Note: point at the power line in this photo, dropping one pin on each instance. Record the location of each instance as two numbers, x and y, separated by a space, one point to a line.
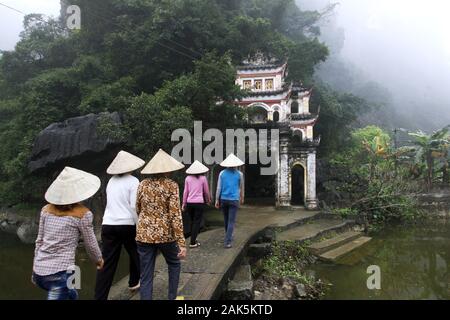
101 8
158 42
14 9
36 17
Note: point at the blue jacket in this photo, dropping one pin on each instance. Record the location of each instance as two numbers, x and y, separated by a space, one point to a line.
230 184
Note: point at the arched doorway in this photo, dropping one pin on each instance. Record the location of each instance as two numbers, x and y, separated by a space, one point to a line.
259 189
294 107
276 116
298 185
257 114
297 138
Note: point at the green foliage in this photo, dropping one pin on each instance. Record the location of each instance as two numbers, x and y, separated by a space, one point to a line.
160 64
431 153
345 212
366 179
303 58
151 123
287 261
338 113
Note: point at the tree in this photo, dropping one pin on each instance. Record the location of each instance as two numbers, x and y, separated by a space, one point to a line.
165 61
429 149
361 179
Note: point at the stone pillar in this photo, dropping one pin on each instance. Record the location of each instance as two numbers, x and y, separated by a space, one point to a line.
311 196
211 186
242 169
283 194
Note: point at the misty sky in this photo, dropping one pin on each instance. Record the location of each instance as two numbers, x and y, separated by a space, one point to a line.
403 44
11 22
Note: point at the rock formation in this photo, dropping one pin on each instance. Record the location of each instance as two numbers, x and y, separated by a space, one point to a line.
74 141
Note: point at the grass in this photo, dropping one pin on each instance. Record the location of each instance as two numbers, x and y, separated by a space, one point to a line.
286 261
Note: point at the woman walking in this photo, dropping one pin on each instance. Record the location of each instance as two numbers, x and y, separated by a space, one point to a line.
119 223
195 196
230 194
160 225
61 223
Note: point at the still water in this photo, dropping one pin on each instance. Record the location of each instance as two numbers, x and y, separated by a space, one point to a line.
414 262
16 260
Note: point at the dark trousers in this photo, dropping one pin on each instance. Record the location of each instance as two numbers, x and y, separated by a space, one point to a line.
113 238
147 254
195 211
229 209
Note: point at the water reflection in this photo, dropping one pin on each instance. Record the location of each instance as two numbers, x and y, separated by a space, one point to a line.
414 262
16 261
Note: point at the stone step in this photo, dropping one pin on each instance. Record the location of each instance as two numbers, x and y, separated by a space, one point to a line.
241 286
329 244
313 229
334 254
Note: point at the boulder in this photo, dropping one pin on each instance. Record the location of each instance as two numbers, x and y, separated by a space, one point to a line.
74 140
300 291
268 235
241 287
27 232
8 227
259 250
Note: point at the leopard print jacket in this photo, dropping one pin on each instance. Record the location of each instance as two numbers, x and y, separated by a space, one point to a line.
158 208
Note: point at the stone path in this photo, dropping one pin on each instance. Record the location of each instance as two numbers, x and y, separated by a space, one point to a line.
205 272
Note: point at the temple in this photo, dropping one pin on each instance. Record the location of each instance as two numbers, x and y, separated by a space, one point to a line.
274 102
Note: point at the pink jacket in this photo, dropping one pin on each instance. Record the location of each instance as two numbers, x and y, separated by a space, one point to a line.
195 190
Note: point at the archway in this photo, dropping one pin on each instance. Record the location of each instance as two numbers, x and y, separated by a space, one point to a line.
276 116
257 114
298 185
294 107
259 189
297 137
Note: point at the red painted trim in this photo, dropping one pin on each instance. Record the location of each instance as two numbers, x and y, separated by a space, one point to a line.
258 75
260 101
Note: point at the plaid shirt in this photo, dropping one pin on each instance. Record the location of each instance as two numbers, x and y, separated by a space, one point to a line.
58 237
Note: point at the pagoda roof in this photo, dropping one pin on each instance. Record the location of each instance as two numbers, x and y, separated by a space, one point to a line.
260 62
302 120
303 117
287 88
260 67
284 88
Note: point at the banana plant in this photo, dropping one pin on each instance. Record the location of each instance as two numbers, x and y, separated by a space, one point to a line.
431 149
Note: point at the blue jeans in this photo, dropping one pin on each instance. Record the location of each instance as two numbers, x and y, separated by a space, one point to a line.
229 209
56 286
147 254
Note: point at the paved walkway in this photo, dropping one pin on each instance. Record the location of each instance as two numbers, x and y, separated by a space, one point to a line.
207 269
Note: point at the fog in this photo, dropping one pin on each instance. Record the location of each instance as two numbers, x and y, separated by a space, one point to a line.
11 22
403 45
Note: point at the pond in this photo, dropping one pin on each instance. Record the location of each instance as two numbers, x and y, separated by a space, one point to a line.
16 260
414 261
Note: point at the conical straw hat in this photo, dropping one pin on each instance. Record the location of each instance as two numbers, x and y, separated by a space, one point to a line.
161 163
197 168
72 186
124 162
232 161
